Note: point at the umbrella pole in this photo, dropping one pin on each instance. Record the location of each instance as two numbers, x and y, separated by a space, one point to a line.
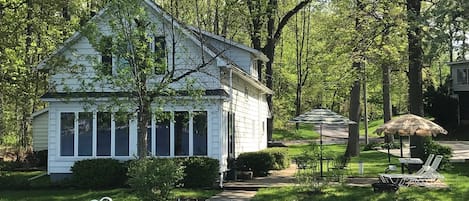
320 146
389 154
402 155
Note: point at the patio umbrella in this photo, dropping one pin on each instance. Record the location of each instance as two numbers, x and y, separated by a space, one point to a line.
408 125
321 117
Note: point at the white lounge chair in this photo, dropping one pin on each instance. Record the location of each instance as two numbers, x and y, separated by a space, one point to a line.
425 174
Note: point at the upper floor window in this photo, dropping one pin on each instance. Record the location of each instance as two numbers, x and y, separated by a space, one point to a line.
106 55
159 49
462 76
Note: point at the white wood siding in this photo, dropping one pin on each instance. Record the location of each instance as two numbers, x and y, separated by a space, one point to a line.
251 112
40 124
240 57
188 55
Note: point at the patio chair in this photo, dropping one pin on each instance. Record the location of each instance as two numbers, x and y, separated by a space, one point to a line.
339 167
425 174
426 164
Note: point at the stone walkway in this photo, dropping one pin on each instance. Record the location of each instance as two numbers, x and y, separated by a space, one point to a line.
245 190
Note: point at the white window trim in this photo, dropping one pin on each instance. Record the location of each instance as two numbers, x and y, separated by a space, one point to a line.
94 137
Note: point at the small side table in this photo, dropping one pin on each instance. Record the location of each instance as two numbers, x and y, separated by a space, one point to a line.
407 161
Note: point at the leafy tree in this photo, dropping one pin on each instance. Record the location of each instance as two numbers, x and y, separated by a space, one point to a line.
138 64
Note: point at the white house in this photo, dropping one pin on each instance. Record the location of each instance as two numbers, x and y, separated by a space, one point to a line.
460 87
230 118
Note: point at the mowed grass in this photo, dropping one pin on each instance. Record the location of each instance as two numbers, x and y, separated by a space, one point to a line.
305 132
85 195
42 190
456 177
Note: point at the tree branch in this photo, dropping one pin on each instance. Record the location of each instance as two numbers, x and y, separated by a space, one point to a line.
283 22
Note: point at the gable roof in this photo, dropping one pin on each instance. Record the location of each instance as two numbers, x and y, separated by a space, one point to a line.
257 53
221 60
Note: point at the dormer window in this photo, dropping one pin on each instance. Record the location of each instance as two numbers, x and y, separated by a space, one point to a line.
159 49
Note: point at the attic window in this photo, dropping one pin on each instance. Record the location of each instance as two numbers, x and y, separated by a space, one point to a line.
159 49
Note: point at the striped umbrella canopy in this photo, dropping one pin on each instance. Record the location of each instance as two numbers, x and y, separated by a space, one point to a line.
322 116
409 124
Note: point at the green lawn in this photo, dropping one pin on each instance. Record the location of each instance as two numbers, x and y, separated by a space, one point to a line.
42 190
86 195
457 178
372 126
305 132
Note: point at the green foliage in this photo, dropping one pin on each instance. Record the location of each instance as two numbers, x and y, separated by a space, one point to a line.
9 165
281 158
432 147
155 178
98 173
200 172
258 162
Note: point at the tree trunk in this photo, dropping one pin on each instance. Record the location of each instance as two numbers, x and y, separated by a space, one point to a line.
144 117
414 36
2 125
387 107
353 145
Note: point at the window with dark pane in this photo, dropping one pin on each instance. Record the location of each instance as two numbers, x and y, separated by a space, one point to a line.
67 132
181 133
121 134
163 135
104 134
85 133
106 55
160 55
200 133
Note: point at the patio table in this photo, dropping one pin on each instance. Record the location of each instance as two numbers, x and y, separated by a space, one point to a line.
407 161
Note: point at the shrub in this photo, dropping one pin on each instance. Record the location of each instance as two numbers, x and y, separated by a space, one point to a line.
432 147
9 165
281 158
11 182
373 144
154 179
98 173
36 159
259 162
200 172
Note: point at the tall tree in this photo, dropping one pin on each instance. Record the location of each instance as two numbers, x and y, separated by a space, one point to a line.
414 37
260 9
